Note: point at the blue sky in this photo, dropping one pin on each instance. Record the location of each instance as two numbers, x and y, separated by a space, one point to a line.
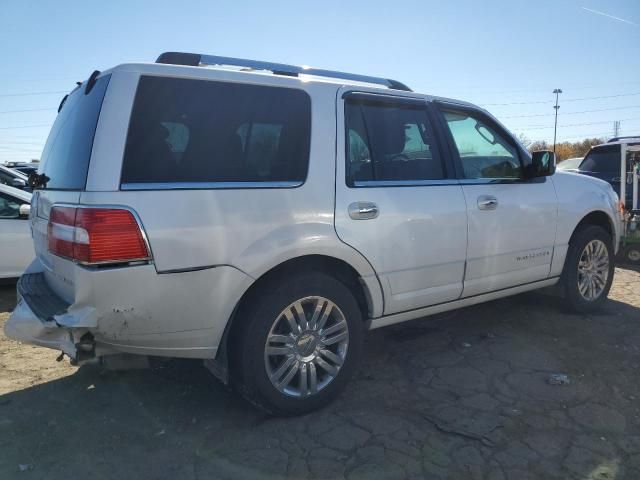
488 52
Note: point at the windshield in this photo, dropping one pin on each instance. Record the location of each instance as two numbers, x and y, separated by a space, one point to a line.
65 158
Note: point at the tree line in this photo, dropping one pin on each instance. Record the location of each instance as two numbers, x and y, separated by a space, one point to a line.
564 150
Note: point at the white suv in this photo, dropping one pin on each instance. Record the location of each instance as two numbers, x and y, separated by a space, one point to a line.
262 217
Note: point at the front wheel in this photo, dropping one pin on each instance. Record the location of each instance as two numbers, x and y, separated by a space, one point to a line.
299 343
588 270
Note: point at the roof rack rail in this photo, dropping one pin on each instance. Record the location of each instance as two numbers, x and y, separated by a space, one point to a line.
195 60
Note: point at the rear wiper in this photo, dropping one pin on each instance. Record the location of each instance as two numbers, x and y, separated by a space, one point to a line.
37 180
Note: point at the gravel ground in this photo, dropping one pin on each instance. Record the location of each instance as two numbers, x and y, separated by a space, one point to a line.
464 395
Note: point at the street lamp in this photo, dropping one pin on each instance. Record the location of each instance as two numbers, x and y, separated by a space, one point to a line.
557 91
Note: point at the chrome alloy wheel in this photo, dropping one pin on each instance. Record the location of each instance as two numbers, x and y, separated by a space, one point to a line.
306 346
593 270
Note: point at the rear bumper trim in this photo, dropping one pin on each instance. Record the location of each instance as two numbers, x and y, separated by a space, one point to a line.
33 320
40 298
25 326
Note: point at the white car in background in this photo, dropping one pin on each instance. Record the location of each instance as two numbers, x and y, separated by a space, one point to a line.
570 164
13 178
16 246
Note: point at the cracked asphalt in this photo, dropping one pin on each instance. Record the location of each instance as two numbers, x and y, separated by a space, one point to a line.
464 395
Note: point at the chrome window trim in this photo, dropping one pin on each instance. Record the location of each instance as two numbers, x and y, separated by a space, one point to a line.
403 183
208 185
493 181
487 180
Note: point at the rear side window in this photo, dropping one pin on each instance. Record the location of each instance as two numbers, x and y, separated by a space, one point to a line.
602 160
196 131
389 142
66 155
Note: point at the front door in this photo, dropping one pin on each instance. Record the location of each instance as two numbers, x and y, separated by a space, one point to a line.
397 201
512 221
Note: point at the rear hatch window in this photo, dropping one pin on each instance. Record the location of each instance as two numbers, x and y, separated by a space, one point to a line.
65 158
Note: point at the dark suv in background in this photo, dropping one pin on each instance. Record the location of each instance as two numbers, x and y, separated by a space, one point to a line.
603 161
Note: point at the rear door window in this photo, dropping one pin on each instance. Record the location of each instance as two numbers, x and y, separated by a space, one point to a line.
390 142
197 131
66 155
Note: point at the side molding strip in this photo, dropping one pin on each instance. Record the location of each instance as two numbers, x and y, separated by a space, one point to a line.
465 302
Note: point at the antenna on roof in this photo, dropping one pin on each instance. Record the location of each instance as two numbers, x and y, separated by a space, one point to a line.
196 60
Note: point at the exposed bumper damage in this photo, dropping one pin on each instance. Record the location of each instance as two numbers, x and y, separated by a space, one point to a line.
132 310
39 319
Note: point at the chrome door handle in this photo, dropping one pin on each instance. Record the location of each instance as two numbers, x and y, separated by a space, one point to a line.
487 202
363 210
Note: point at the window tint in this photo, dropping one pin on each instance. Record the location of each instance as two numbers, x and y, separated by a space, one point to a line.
484 151
9 206
389 143
184 130
65 158
602 160
177 138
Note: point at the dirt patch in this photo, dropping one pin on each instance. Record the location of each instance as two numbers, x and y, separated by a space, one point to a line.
465 395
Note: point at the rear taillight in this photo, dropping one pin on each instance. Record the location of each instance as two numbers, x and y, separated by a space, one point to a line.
96 235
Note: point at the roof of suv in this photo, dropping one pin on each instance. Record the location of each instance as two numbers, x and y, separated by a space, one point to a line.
196 60
619 141
627 139
189 61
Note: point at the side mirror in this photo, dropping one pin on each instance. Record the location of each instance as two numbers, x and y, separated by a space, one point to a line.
543 164
25 210
18 183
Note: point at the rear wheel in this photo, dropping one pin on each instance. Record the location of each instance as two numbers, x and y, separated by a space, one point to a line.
588 270
299 343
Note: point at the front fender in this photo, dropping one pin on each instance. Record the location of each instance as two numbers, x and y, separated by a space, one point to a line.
579 196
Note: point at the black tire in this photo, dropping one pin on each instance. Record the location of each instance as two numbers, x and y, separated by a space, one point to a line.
631 254
248 368
575 300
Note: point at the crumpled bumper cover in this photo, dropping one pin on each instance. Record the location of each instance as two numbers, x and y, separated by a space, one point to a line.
33 319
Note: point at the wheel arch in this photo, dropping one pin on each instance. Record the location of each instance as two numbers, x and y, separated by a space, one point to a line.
336 267
598 218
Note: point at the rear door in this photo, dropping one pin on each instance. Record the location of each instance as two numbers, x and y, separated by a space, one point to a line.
397 202
512 221
65 163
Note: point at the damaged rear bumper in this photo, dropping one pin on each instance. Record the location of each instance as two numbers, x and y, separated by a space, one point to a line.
35 320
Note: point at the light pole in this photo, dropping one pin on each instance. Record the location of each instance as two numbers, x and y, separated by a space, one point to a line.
557 91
